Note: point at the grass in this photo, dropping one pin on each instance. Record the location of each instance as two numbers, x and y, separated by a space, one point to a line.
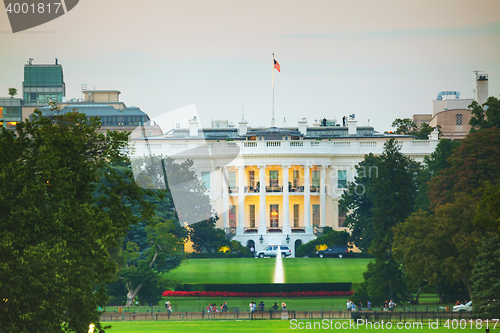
249 270
275 326
227 270
314 270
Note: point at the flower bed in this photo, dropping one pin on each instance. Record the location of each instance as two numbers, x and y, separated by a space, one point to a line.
263 294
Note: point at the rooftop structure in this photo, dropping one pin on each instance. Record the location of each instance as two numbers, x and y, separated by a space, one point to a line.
43 83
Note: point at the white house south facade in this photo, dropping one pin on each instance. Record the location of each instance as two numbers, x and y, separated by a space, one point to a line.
272 186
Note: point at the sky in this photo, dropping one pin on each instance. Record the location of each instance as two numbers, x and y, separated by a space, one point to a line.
380 60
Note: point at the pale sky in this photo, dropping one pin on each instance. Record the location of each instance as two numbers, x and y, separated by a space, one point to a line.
381 60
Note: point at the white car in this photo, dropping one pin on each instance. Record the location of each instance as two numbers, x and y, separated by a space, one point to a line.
463 307
273 250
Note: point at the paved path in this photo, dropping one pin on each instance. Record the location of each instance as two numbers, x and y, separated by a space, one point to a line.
279 275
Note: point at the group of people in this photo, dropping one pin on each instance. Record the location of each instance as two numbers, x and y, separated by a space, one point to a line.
458 303
168 306
213 307
261 306
389 306
351 306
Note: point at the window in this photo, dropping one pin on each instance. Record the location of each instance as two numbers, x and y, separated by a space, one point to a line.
251 178
274 216
341 218
315 178
342 178
296 178
459 119
315 215
273 178
252 216
232 179
296 216
205 179
232 217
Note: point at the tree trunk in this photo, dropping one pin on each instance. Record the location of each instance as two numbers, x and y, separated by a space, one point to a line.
132 293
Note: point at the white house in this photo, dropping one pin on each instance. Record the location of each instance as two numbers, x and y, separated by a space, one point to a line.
277 185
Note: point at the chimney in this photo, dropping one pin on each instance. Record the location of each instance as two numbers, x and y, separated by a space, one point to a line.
482 88
242 128
303 126
351 125
434 136
193 127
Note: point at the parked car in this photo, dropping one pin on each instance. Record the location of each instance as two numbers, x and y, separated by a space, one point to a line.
273 250
334 251
463 307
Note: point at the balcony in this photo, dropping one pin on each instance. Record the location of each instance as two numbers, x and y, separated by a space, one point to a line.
250 230
233 190
271 189
274 230
252 189
314 189
296 189
297 230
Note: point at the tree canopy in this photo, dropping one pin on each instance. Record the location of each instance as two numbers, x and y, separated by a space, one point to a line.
486 115
55 231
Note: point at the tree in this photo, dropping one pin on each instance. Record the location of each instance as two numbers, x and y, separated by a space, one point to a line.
395 190
12 92
407 126
486 279
329 239
207 238
55 233
471 164
440 248
142 272
358 202
486 115
433 164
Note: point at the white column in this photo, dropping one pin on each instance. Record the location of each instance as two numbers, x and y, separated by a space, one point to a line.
241 200
322 197
262 197
307 201
286 206
225 198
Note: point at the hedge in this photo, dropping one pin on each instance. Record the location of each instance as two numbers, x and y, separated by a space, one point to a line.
267 287
209 255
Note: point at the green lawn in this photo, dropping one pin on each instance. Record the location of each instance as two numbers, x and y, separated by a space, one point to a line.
228 270
248 270
275 326
311 270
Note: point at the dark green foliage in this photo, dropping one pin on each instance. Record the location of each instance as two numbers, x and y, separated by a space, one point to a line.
473 162
486 279
12 92
485 116
207 238
408 127
395 190
56 231
358 202
206 255
332 238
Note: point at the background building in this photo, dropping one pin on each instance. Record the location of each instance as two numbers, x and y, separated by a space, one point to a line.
10 112
453 115
43 83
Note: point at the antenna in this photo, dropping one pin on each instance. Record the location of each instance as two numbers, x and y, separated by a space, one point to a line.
284 124
476 73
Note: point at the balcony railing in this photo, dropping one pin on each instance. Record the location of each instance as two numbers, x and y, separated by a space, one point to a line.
314 188
233 190
252 189
250 230
296 230
274 188
230 232
271 230
296 189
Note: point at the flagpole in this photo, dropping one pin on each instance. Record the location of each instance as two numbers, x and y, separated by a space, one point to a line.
272 120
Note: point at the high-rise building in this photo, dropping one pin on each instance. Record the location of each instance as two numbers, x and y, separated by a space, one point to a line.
43 83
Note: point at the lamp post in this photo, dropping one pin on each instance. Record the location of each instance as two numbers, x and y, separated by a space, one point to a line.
287 239
261 239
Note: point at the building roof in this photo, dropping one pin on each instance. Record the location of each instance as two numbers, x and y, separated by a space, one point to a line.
97 110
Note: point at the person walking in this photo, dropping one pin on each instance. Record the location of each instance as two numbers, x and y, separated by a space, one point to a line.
348 304
391 306
369 305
